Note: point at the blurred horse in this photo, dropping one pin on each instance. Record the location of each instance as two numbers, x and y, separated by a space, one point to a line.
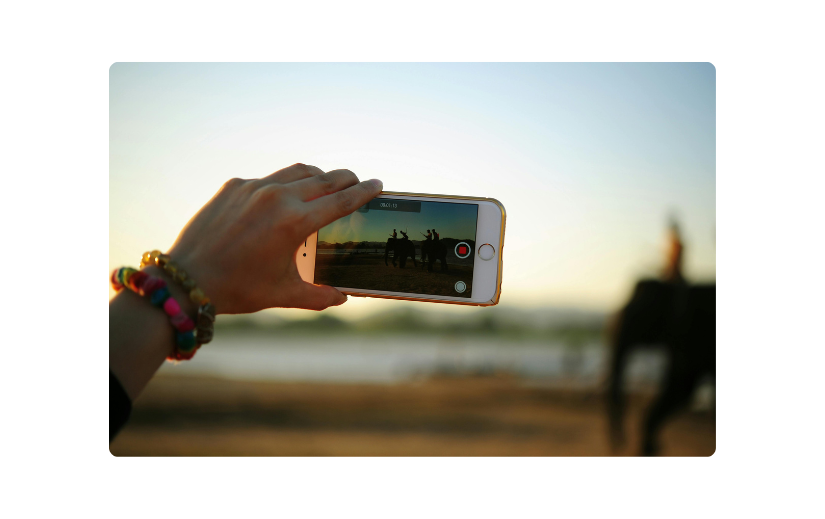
679 318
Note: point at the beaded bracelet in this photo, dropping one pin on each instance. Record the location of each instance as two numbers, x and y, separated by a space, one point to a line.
206 310
155 289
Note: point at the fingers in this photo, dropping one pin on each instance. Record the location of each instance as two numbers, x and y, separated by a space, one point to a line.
327 209
293 173
317 297
322 185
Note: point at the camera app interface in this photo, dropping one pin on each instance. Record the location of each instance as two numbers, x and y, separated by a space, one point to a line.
401 246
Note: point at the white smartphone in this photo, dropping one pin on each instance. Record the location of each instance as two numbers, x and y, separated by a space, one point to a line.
412 246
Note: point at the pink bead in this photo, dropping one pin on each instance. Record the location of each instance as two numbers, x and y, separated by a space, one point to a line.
171 307
151 285
182 322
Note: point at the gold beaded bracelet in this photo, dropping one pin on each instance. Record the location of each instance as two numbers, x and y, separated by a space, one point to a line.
205 324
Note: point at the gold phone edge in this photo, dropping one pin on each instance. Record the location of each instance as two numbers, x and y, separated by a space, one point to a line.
496 296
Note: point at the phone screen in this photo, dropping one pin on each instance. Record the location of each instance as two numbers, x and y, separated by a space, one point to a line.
396 245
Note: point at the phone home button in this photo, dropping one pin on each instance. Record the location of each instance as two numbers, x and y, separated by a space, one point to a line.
486 252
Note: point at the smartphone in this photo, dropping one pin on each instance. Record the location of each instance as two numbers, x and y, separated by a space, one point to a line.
412 246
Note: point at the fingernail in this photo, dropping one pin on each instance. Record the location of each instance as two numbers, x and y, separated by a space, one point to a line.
343 300
378 183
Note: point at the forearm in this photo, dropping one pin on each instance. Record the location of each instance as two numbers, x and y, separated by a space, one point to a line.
240 247
140 335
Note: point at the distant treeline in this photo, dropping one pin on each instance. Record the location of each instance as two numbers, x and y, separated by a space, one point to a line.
509 323
449 242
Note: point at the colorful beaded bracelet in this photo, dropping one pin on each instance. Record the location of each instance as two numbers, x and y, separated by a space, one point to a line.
155 289
206 310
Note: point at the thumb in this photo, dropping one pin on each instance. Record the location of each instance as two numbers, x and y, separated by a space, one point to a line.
317 297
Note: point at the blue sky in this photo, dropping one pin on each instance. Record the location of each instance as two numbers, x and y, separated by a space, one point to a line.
588 159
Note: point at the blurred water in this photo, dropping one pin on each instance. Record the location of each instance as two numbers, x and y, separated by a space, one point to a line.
387 360
350 251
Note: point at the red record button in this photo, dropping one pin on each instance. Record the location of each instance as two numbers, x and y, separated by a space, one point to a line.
463 250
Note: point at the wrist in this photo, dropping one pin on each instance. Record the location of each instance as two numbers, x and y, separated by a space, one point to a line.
205 278
175 290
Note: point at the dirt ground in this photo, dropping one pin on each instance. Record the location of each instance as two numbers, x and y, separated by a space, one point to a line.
368 271
485 416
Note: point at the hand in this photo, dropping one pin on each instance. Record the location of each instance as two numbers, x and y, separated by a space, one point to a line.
240 247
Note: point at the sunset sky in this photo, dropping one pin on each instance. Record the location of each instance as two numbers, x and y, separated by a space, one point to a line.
588 159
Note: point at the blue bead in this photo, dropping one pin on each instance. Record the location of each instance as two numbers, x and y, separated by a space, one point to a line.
185 340
159 296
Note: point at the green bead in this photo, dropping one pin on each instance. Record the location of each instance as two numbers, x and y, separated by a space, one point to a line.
197 295
185 341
